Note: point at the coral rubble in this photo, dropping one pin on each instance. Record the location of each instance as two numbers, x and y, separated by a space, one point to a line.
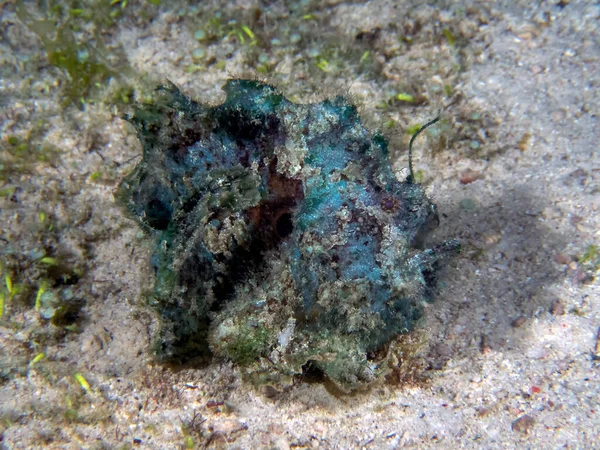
282 236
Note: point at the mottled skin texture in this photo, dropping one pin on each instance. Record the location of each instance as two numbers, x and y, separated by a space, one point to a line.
282 235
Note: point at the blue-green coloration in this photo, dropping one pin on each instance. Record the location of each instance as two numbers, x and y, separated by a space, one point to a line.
282 235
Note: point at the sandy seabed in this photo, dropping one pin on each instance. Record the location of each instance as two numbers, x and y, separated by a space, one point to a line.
511 356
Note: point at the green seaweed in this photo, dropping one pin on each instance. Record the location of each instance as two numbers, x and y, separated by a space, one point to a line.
20 154
71 38
248 344
590 262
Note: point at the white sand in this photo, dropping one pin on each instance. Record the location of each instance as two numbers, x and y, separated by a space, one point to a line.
495 352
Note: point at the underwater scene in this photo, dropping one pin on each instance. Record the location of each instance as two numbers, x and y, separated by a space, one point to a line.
308 224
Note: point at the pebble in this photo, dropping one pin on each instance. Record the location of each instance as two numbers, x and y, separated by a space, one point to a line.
552 212
200 35
198 53
538 352
584 228
313 52
469 176
558 116
561 258
468 204
518 322
578 173
557 308
476 379
536 69
443 350
482 411
263 58
228 426
523 424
